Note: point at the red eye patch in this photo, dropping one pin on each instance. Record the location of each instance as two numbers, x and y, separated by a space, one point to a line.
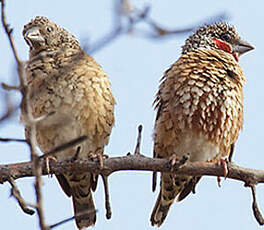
225 47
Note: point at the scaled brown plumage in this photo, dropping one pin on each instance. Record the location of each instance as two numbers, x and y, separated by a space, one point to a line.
65 80
200 107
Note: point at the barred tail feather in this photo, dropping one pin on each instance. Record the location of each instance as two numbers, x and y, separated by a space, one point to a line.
84 211
80 187
170 188
159 212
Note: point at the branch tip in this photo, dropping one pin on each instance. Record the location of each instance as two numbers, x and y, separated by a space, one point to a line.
17 195
255 208
107 199
137 149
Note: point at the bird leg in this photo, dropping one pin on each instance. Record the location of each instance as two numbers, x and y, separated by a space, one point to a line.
176 162
173 160
222 161
99 157
47 160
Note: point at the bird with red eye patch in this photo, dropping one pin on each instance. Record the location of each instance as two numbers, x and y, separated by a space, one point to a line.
218 36
199 109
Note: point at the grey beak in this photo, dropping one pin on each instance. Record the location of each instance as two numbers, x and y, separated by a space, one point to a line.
34 35
242 47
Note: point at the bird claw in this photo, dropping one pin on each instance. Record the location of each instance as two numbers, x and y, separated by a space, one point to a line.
48 165
99 157
173 161
176 162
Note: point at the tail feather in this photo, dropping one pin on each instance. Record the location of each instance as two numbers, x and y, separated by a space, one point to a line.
170 188
188 188
79 186
84 211
159 212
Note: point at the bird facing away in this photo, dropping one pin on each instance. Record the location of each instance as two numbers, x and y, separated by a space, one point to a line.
65 81
199 108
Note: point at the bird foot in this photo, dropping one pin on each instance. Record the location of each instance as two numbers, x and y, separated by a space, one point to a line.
173 160
222 161
47 159
176 162
99 157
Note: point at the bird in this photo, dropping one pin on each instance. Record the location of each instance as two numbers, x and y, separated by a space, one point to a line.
69 88
199 108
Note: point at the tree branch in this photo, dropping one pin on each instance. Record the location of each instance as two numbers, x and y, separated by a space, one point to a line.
138 162
29 120
135 163
16 194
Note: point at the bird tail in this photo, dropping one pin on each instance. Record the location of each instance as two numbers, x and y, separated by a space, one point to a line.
79 186
171 186
84 211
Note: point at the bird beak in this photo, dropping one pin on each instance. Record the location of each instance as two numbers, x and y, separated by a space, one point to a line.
33 35
242 47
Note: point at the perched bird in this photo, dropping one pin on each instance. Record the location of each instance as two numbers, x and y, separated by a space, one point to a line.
199 108
68 84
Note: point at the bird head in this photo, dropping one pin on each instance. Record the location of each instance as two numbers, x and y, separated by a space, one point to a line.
42 34
217 36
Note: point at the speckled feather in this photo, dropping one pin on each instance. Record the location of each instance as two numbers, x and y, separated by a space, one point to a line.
200 110
63 79
202 98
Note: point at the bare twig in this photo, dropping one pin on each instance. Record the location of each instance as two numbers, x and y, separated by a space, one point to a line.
107 200
77 153
16 194
10 108
61 222
67 220
9 87
64 146
137 149
12 139
28 117
8 32
126 18
255 208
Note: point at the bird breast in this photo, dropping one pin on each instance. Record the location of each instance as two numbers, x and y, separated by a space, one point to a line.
202 101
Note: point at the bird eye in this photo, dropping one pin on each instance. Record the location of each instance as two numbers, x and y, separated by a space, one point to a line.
226 37
49 29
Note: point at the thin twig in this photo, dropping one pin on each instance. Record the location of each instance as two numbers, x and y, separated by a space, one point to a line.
64 146
126 17
61 222
16 194
255 208
107 200
137 149
10 109
77 153
28 117
12 139
9 87
68 219
8 32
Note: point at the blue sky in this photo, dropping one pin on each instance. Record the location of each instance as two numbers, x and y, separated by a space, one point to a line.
135 65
